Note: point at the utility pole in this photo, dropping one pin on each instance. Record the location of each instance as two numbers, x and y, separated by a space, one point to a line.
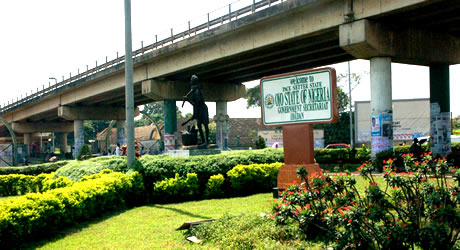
129 103
351 113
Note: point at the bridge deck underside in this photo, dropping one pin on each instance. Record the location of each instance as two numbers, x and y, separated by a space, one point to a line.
308 51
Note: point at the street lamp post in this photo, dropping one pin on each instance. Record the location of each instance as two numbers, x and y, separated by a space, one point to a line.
351 112
55 80
129 85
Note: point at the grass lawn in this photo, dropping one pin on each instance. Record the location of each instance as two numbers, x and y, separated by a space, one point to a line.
151 226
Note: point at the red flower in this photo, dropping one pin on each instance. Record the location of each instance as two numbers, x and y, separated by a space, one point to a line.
349 221
404 225
454 193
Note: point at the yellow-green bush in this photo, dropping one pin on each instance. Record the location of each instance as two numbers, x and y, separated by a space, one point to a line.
214 186
254 178
38 213
178 188
19 184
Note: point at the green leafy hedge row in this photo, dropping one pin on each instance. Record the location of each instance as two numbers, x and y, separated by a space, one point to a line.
242 179
160 167
254 178
35 169
35 214
19 184
75 170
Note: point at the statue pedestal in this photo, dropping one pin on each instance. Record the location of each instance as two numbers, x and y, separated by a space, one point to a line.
194 150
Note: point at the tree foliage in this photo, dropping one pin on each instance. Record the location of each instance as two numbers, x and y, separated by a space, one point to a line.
456 122
253 96
92 127
155 109
338 132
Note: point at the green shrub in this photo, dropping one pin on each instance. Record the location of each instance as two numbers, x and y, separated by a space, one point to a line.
84 153
248 232
214 186
34 169
259 142
178 188
18 184
35 214
254 178
75 170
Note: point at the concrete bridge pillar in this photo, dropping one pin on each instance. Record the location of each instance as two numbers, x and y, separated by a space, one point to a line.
221 120
79 136
381 105
121 132
62 141
440 109
27 141
170 126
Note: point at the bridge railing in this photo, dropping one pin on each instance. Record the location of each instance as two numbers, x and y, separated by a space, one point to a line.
224 15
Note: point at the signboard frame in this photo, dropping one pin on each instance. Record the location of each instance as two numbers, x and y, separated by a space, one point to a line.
333 88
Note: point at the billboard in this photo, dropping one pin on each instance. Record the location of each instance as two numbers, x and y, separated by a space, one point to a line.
411 119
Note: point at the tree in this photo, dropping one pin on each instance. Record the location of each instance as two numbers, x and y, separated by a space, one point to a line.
155 109
338 132
342 83
253 96
92 127
456 122
342 100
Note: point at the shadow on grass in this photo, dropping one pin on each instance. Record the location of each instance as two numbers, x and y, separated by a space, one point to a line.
42 239
179 211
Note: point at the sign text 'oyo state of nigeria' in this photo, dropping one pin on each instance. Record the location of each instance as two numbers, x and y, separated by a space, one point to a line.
299 97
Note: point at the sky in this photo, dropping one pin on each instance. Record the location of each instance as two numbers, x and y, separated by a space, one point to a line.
52 38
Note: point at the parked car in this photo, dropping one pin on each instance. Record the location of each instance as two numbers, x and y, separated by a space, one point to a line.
338 145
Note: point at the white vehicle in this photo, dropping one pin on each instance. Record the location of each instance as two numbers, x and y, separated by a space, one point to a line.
455 138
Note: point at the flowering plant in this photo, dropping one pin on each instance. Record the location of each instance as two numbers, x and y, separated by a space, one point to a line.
418 207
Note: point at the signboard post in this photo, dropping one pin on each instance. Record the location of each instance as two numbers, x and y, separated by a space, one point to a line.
295 101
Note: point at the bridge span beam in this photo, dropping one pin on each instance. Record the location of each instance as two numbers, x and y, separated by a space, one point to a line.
42 127
93 113
161 90
365 39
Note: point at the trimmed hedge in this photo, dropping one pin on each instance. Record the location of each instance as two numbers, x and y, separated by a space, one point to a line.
75 170
35 214
161 168
249 179
35 169
19 184
177 188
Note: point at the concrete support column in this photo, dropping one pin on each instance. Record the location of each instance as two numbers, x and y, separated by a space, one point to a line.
121 132
221 120
27 142
440 109
79 136
169 109
63 142
381 105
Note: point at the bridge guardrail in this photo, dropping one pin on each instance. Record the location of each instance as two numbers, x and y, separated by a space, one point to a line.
188 32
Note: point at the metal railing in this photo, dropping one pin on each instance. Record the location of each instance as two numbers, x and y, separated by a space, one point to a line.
185 32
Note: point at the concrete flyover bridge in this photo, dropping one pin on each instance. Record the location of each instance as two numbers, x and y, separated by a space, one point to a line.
265 38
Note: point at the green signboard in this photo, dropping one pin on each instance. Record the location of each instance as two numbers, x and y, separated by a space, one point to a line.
300 97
